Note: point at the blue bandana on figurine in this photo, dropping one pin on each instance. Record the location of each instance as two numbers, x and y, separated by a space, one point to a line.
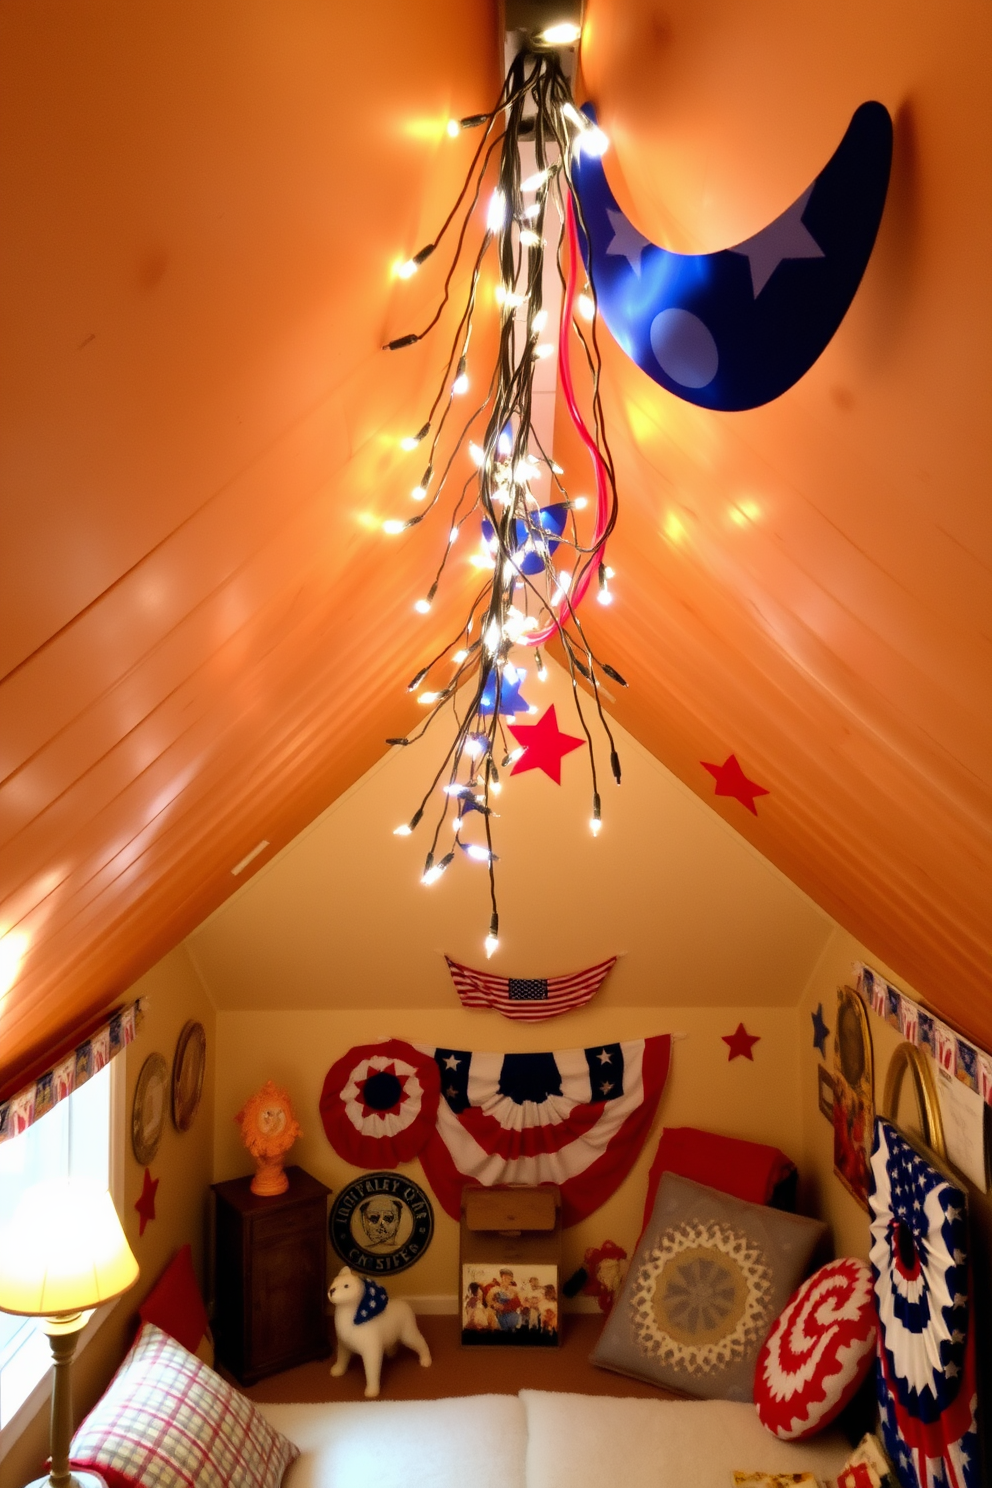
368 1324
372 1303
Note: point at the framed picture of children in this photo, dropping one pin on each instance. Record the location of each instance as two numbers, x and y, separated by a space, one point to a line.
509 1305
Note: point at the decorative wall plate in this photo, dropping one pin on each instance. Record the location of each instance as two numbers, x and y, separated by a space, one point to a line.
381 1223
148 1108
187 1075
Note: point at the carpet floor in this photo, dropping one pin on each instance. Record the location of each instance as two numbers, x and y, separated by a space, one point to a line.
465 1371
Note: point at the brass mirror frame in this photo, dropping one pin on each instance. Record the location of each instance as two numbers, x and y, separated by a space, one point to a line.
908 1057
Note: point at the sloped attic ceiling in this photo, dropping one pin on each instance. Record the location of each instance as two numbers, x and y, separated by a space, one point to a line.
204 636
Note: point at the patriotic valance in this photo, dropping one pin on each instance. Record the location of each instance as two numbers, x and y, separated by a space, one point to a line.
78 1066
577 1118
926 1345
956 1056
528 999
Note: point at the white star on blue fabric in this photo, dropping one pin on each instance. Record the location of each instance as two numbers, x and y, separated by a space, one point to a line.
604 1057
627 242
786 237
451 1062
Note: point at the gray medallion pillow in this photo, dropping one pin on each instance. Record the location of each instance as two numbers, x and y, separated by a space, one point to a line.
707 1281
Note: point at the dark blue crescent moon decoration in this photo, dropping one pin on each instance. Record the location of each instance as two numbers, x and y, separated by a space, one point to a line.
735 329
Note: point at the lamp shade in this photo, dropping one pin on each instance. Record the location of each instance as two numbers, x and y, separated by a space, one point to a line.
64 1250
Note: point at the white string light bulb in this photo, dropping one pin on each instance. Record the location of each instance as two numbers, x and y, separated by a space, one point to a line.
393 527
562 34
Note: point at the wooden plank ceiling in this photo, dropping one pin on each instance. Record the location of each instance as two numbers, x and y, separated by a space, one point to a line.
205 637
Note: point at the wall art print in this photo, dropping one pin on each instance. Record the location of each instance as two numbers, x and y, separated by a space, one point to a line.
854 1095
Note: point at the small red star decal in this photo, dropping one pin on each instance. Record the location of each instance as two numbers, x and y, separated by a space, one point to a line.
741 1043
544 745
731 781
145 1205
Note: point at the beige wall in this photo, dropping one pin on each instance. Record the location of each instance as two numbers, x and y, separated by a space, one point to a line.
758 1100
335 942
340 920
183 1166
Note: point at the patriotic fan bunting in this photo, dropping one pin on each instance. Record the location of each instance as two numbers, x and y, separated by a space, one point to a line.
379 1103
919 1261
528 999
577 1118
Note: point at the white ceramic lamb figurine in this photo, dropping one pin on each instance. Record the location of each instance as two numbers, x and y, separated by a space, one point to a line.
367 1323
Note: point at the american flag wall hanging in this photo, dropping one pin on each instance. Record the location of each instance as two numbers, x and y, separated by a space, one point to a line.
528 999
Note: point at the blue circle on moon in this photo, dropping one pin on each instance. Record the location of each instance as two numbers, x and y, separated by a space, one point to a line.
684 347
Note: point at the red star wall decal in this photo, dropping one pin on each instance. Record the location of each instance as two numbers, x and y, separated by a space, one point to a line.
731 781
544 745
145 1205
740 1043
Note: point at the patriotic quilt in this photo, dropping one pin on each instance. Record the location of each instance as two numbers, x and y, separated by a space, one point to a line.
528 999
577 1118
926 1348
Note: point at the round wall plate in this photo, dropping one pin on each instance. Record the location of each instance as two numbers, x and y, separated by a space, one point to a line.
148 1108
381 1223
187 1075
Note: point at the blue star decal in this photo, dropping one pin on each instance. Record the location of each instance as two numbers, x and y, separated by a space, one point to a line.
820 1032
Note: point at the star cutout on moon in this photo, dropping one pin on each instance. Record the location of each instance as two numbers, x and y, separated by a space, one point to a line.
145 1204
786 237
544 745
740 1043
820 1032
731 781
627 242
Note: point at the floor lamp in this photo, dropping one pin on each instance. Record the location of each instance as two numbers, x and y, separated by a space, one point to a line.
63 1254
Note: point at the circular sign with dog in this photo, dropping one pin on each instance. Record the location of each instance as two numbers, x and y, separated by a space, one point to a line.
381 1223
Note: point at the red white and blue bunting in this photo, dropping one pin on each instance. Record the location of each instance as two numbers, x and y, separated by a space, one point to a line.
379 1103
956 1056
577 1118
919 1260
34 1100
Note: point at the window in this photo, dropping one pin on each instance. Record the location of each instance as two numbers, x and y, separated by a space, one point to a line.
72 1139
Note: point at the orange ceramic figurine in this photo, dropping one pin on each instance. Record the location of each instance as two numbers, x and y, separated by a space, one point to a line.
268 1129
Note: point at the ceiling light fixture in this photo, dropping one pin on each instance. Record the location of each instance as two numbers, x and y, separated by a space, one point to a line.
528 596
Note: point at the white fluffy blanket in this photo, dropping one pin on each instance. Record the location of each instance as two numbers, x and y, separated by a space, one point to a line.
539 1439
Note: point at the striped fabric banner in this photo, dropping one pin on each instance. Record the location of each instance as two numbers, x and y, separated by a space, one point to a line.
28 1105
528 999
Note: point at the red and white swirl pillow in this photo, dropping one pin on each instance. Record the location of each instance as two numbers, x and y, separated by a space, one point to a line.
819 1352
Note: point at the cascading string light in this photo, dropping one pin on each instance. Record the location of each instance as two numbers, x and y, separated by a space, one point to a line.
534 565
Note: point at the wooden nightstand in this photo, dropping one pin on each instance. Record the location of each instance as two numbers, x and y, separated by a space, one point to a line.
271 1276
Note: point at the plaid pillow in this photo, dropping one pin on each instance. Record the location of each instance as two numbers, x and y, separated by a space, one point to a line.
167 1421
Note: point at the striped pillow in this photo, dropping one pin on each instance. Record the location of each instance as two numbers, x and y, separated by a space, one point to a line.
167 1421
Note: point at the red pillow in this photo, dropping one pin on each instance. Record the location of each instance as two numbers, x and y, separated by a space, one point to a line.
174 1303
747 1170
819 1352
